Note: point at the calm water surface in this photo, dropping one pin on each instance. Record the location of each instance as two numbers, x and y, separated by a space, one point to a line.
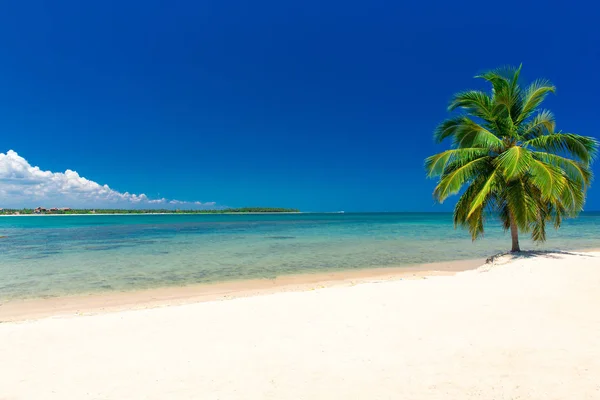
62 255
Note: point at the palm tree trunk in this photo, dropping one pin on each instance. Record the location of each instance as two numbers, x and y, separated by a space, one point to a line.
514 234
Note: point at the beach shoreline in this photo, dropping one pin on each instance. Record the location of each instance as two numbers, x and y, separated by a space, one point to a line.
14 310
112 301
518 327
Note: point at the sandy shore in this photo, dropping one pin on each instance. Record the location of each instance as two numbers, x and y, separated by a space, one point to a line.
19 310
522 329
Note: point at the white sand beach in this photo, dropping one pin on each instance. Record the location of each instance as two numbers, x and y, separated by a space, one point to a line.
528 328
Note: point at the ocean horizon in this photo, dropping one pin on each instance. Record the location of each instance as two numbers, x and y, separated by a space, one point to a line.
80 254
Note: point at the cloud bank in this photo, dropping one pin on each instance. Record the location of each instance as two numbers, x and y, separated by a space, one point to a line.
22 185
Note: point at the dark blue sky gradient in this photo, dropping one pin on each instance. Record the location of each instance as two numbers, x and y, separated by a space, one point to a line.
317 105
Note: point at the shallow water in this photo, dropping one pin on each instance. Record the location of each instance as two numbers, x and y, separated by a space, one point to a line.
61 255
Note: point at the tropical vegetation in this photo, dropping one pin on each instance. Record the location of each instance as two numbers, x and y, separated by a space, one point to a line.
69 211
507 159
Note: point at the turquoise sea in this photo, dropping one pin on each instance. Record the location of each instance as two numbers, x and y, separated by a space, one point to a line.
62 255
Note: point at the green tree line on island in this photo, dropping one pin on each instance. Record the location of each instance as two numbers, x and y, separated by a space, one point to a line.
243 210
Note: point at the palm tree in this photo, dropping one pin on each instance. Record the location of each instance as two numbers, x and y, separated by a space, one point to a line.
511 159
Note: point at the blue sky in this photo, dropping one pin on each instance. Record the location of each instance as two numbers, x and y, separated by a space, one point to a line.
320 105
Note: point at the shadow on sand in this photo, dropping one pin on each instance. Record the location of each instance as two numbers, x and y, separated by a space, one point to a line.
556 254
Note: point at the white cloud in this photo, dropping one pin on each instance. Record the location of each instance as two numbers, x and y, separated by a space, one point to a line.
22 185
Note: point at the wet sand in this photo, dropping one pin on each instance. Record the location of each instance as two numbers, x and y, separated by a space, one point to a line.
16 310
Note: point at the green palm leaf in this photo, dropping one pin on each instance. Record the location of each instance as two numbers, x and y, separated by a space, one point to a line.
573 197
447 128
484 193
451 182
506 91
542 124
534 95
474 102
547 178
521 203
515 161
582 147
436 164
471 134
538 231
572 169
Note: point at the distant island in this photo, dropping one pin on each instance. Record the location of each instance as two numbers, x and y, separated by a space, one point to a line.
75 211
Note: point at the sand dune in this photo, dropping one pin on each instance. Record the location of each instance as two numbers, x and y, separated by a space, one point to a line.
524 329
